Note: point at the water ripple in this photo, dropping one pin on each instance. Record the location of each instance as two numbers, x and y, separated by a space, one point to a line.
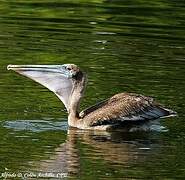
35 125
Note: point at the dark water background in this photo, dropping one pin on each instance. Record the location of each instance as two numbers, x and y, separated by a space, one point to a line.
134 46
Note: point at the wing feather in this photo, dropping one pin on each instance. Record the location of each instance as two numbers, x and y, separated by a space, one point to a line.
125 107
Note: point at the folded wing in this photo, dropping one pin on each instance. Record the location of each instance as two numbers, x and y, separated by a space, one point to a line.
126 107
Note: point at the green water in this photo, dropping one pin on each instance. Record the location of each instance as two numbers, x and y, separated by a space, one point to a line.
133 46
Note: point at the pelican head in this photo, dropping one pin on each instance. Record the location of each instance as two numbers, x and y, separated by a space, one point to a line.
67 81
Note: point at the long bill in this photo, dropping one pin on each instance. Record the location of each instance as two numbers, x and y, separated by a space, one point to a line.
54 77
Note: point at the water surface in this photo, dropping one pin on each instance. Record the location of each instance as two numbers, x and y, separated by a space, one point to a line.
133 46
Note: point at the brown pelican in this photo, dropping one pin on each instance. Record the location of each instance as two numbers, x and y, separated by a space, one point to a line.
68 82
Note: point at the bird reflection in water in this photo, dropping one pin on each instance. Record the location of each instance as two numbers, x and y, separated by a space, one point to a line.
114 148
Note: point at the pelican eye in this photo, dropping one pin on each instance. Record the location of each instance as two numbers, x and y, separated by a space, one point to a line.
68 68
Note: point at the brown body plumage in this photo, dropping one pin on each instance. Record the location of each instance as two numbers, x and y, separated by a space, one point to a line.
122 111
